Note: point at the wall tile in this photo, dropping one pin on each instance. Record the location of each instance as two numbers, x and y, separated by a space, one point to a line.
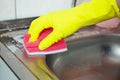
32 8
7 9
78 2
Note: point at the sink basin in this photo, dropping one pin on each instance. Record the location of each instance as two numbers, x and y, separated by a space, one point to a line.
93 58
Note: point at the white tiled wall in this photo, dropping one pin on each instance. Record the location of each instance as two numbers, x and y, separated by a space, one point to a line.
7 9
78 2
28 8
12 9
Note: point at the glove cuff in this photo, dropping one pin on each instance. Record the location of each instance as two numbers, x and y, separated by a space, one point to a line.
116 7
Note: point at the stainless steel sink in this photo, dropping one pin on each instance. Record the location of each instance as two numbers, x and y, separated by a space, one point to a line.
93 58
90 55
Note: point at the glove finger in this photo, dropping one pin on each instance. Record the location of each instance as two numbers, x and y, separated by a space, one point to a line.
53 37
36 27
33 25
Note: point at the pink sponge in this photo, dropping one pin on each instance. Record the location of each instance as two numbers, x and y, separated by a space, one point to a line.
32 47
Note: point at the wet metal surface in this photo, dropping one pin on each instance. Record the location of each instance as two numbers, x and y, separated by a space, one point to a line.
94 58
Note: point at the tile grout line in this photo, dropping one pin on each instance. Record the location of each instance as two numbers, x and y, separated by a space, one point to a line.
15 9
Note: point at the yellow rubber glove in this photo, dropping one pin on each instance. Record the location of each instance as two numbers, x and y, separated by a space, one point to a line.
66 22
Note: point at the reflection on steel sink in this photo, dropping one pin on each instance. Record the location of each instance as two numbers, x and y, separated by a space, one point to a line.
93 58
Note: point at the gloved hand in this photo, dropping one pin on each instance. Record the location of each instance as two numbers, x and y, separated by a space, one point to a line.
66 22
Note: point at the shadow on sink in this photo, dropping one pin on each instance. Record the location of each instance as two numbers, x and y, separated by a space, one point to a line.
93 58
